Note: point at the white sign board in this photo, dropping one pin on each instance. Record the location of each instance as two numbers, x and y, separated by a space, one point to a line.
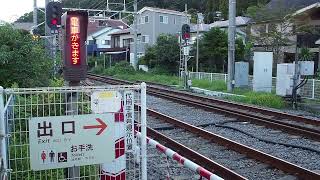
67 141
186 51
129 120
105 101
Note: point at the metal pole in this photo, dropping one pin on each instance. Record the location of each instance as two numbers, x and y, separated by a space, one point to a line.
185 57
197 58
231 44
35 13
313 88
72 109
3 147
135 34
144 130
295 79
54 54
48 41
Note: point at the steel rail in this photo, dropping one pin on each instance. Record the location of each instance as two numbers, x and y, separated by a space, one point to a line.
278 163
277 114
268 122
211 105
196 157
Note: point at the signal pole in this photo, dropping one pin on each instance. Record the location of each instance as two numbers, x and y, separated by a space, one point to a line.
135 6
48 42
231 44
35 13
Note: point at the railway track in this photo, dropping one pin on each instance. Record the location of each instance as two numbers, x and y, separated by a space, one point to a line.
188 147
236 161
289 123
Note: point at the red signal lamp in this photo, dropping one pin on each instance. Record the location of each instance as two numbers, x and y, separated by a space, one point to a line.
54 21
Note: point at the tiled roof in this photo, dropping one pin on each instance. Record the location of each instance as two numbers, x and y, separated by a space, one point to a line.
240 21
124 31
95 26
166 11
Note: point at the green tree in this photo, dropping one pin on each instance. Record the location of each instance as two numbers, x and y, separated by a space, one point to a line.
213 48
22 60
164 54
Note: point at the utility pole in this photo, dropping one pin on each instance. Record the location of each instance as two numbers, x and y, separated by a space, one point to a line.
231 44
199 21
197 58
35 13
185 56
135 5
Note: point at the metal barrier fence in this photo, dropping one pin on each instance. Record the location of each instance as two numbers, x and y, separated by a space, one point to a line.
311 90
19 107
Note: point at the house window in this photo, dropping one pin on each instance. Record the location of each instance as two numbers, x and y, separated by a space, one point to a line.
127 42
145 39
116 42
91 42
105 42
164 19
144 19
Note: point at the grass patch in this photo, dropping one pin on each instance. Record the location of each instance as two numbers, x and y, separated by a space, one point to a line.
260 99
212 86
161 79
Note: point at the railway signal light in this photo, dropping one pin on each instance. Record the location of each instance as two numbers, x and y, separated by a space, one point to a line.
74 51
185 32
53 15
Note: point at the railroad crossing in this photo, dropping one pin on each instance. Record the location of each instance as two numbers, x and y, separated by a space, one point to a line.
101 127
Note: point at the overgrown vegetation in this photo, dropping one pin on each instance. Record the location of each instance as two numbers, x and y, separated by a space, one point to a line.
213 48
164 54
260 99
22 60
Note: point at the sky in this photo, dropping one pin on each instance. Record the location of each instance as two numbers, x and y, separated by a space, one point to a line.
10 10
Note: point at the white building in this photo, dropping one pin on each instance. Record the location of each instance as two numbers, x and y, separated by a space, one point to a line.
99 35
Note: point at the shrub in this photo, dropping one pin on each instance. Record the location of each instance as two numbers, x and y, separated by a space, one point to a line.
92 61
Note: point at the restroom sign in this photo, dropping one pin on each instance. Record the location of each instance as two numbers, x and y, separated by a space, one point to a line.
67 141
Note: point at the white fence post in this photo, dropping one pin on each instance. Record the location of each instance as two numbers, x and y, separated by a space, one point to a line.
3 150
211 79
144 131
313 88
225 78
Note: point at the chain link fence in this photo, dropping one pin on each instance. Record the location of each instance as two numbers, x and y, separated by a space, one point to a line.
310 91
19 106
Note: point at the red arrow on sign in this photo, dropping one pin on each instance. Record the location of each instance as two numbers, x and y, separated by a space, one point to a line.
102 126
